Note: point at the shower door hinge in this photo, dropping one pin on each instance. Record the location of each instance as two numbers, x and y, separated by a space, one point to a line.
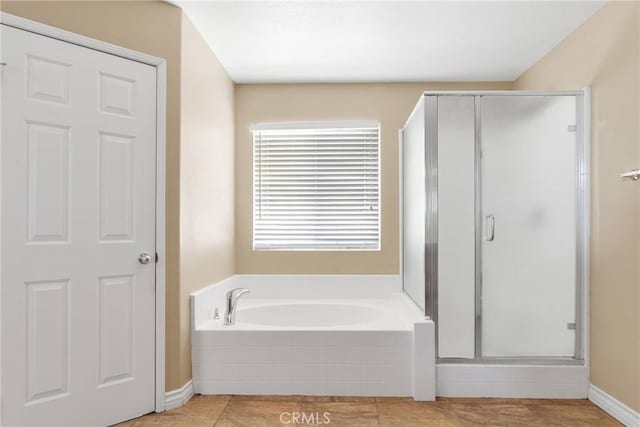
571 326
571 128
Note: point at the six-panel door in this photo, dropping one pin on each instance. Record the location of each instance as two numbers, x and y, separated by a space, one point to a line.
78 208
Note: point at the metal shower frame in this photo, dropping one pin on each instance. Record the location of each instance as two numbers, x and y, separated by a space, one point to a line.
583 125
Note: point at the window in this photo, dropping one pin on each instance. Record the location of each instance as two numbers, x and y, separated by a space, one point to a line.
316 186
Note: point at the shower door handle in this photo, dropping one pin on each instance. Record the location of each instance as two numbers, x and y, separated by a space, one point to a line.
489 228
634 174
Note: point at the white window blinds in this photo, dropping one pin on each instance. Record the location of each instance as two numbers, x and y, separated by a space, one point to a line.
316 186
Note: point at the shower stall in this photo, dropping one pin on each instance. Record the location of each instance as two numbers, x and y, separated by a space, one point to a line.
494 219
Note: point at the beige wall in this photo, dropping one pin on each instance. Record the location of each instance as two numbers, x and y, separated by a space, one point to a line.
604 54
207 180
203 129
390 103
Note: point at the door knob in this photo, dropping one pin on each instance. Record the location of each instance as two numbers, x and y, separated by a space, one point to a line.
144 258
634 174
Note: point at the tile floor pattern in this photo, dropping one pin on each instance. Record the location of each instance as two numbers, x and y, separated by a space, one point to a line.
258 411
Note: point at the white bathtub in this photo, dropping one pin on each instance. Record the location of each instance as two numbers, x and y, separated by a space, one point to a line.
313 335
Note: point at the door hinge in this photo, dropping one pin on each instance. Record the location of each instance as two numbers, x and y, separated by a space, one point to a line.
571 326
157 257
571 128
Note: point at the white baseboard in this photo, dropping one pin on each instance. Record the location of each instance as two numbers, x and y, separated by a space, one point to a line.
176 398
614 407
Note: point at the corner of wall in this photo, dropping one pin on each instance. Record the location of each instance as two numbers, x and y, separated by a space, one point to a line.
603 53
207 239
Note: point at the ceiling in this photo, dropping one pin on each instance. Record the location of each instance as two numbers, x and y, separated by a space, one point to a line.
383 41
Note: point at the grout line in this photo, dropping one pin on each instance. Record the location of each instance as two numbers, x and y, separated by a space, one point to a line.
221 413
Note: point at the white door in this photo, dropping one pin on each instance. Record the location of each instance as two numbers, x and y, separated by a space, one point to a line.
78 208
529 201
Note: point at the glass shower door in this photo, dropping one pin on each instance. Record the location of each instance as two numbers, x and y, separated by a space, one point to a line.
528 232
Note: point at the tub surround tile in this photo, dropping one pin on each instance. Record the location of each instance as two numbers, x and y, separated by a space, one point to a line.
227 372
360 368
314 388
345 373
222 354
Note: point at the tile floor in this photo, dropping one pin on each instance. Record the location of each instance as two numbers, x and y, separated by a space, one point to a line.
257 411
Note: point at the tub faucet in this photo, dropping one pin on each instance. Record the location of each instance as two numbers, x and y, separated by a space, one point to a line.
232 300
